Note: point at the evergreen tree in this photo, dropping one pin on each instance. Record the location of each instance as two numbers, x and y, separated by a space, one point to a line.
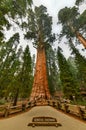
70 87
40 30
73 23
10 10
52 70
26 73
78 2
81 65
73 68
15 85
8 55
14 10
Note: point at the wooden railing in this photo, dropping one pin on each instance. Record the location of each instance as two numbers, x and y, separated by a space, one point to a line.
79 111
7 110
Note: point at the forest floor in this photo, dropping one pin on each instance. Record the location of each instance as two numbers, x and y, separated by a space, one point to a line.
20 122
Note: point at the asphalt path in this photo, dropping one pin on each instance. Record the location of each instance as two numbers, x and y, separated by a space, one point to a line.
20 122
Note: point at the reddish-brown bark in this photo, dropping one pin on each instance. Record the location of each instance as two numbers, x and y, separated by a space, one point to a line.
78 35
40 87
81 39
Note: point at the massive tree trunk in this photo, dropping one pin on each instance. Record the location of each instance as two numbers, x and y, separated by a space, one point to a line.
40 87
81 39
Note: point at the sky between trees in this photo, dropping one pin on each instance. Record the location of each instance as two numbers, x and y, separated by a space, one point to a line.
53 7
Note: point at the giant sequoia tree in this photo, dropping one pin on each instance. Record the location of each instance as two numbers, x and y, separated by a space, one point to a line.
40 29
72 23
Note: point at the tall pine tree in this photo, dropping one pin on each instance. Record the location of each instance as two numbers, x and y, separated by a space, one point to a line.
81 65
70 88
26 73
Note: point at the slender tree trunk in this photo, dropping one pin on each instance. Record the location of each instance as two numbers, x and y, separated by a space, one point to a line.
16 97
81 39
78 35
40 87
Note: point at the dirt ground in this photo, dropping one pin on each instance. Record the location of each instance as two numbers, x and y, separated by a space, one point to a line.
20 122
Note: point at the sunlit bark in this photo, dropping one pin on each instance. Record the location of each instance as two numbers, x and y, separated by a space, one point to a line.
40 87
78 35
81 39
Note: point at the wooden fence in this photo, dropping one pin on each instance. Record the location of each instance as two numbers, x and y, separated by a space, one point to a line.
79 111
6 110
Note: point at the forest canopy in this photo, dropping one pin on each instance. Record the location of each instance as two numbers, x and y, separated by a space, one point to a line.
36 24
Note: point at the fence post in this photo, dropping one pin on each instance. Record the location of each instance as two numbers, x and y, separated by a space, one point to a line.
23 106
59 105
66 106
81 112
6 113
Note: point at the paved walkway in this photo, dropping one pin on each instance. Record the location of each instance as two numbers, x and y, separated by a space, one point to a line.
20 122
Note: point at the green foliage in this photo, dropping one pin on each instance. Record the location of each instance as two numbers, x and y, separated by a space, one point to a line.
68 17
69 85
73 68
2 102
13 9
8 64
78 2
72 21
16 7
80 64
3 20
67 14
52 70
16 74
26 73
39 26
82 21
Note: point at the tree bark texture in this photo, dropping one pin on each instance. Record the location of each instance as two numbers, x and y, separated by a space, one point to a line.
40 87
78 35
16 97
81 39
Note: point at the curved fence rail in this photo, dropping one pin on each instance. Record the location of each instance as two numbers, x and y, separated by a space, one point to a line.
7 110
79 111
